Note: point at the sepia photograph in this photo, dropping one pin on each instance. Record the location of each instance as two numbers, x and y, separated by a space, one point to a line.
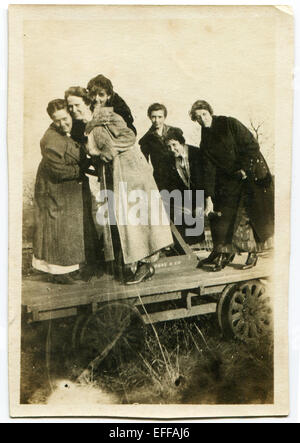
149 205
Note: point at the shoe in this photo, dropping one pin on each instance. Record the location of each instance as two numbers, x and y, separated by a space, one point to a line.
63 279
228 258
218 264
84 274
143 272
210 259
251 261
76 275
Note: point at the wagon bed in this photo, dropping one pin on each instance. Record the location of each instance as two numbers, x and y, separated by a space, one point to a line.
109 316
195 290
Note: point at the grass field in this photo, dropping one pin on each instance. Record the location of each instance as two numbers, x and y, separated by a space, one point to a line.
183 362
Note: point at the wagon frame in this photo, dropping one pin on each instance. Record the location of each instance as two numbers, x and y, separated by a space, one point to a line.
110 313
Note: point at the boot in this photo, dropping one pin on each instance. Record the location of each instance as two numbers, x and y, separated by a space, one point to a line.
251 261
85 273
227 259
143 272
210 259
219 263
63 279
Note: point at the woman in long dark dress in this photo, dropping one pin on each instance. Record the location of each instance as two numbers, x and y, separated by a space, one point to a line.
238 185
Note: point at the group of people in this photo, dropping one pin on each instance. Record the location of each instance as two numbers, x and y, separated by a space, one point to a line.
93 132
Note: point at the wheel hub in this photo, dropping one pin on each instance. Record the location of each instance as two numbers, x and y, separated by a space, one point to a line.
246 311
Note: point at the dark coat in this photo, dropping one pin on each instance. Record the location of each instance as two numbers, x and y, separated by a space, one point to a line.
59 231
229 146
154 149
77 131
121 108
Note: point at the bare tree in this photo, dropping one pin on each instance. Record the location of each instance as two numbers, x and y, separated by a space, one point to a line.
256 129
264 138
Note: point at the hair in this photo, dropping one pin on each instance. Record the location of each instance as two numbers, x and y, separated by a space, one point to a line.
157 107
175 134
99 82
200 104
56 105
78 91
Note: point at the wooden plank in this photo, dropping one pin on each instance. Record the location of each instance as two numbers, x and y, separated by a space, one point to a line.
41 296
51 315
180 261
35 315
202 290
213 290
180 242
174 314
158 298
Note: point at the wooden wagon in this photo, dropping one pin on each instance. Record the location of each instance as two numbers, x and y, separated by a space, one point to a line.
109 313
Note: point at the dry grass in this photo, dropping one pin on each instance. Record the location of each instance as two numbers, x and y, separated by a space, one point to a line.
197 367
191 363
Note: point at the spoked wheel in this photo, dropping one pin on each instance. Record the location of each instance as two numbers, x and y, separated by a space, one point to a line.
115 333
244 311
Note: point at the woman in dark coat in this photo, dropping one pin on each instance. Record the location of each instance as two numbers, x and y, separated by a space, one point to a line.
238 186
58 243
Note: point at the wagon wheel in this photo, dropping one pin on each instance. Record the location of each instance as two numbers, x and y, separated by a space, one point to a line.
244 311
115 330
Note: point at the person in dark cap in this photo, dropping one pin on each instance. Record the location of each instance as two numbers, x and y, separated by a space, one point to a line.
237 184
100 91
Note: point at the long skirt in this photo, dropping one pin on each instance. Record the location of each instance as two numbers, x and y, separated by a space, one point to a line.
235 233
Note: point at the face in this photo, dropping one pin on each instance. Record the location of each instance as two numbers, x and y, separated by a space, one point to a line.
175 147
203 117
78 109
158 119
62 120
100 98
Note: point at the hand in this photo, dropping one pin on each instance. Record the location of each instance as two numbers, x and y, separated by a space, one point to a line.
107 153
241 174
199 211
85 164
209 206
106 158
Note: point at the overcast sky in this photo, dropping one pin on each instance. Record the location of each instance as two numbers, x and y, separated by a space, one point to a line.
227 59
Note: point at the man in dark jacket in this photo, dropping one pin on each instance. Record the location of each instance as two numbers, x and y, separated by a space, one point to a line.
154 148
186 169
